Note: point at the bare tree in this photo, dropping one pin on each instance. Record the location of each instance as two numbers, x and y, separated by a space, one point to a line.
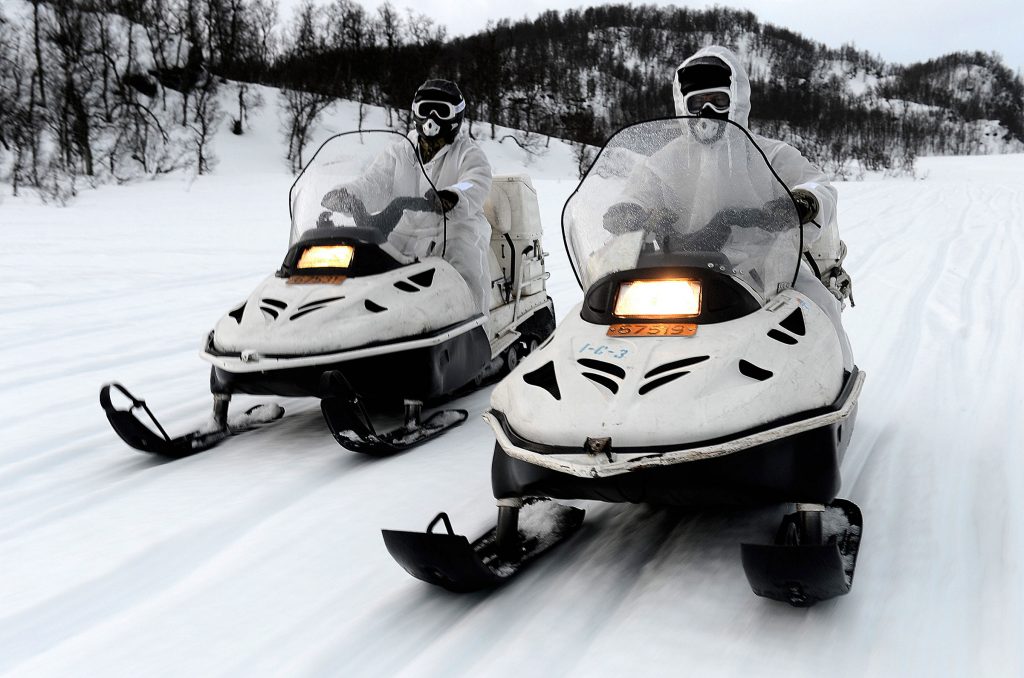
205 117
303 101
74 56
18 133
389 27
301 112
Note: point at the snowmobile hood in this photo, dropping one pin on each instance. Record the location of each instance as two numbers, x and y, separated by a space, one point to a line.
655 391
283 319
739 87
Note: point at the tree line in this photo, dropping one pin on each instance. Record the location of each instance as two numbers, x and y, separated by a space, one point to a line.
110 90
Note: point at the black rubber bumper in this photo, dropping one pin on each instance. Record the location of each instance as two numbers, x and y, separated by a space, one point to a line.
800 468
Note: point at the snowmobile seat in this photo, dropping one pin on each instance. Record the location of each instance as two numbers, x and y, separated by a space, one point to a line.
498 208
512 211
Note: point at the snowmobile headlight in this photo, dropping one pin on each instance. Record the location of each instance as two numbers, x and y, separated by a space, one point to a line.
675 298
326 256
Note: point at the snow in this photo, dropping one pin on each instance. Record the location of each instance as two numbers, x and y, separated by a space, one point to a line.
264 556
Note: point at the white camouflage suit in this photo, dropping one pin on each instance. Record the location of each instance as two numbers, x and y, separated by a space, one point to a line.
460 167
793 168
821 239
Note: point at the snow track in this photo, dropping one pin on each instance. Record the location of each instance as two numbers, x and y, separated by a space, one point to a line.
264 557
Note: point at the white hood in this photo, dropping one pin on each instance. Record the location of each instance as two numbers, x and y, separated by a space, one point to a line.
739 85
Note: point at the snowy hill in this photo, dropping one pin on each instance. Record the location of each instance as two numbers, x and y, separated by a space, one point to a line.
264 557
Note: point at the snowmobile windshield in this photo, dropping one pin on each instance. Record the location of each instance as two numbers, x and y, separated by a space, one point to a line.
369 180
683 191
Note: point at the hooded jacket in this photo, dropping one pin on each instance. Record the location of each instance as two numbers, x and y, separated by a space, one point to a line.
460 167
821 239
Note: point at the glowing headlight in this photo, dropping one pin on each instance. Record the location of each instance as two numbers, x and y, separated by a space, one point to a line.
658 298
326 256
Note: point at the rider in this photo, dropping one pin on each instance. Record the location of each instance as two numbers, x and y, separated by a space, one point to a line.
455 165
713 83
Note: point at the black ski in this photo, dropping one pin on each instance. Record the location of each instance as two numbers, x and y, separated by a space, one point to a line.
350 423
451 561
803 574
141 437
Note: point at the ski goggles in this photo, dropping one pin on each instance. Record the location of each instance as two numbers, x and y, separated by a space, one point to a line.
442 110
717 98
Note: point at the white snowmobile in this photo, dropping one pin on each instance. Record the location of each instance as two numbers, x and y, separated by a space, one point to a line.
694 373
349 319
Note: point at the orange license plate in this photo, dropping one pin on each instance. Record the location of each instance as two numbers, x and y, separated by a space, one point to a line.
652 330
316 279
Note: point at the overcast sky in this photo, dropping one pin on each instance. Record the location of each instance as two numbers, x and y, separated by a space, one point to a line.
899 31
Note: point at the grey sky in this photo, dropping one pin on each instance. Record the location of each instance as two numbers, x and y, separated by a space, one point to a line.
899 32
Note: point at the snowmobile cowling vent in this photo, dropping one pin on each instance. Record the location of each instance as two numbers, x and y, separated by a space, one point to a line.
603 366
544 377
655 383
311 306
782 337
749 369
424 278
794 322
675 365
603 381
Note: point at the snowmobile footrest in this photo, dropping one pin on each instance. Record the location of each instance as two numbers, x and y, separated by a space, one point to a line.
804 574
450 561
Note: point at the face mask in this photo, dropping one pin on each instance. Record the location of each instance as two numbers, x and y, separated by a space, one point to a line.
428 128
707 130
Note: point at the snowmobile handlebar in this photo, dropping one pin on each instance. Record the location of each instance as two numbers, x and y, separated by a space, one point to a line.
383 221
625 216
386 220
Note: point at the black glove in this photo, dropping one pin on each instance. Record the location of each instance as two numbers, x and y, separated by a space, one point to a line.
338 200
443 201
806 205
624 217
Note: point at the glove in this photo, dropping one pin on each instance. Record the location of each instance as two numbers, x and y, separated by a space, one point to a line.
338 200
806 205
443 201
660 219
624 217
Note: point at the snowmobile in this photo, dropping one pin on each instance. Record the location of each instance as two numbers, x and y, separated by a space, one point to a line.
349 319
694 372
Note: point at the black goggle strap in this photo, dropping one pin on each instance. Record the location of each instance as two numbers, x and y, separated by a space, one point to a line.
442 110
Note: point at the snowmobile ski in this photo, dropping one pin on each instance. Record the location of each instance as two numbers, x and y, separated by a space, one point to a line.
137 434
350 423
800 573
450 561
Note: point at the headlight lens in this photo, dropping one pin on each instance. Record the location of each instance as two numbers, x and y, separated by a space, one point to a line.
675 298
326 256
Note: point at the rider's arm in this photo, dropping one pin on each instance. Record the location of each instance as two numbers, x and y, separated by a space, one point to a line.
473 186
797 172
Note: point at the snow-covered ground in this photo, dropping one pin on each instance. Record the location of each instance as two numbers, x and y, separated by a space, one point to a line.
264 556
